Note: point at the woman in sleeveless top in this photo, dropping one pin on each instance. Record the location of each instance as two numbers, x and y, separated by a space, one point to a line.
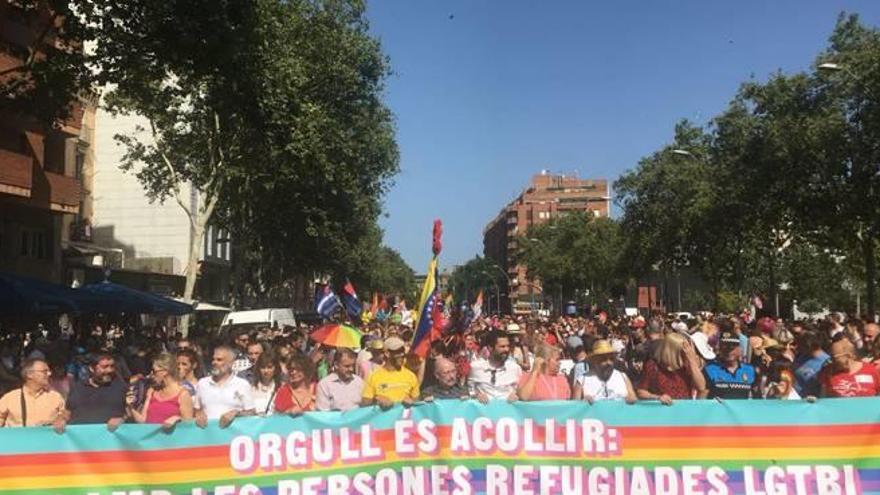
265 382
188 370
544 382
298 394
167 402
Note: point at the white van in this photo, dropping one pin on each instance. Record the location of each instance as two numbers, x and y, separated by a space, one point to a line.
254 319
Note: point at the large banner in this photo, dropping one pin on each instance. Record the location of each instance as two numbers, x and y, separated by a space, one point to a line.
831 447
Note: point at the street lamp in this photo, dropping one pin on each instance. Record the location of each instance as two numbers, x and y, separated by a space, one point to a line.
509 283
829 67
497 292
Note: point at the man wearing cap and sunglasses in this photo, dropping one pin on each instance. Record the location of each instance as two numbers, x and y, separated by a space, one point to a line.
392 383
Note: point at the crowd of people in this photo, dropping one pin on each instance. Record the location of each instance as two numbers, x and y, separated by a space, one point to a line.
116 375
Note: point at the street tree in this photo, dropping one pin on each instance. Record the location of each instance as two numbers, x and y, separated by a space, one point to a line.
270 111
575 255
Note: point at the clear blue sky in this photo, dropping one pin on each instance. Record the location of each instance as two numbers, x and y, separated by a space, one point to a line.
504 88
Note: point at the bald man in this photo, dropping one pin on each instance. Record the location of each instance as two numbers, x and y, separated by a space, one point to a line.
847 376
447 386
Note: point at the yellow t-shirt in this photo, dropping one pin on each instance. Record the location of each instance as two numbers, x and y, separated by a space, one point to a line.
393 385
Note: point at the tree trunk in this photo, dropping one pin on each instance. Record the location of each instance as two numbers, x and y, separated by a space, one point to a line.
772 273
868 247
199 219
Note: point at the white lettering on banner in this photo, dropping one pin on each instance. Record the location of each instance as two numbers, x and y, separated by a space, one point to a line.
801 480
551 479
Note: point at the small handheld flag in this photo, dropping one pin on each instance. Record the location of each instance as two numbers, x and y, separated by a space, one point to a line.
349 297
326 302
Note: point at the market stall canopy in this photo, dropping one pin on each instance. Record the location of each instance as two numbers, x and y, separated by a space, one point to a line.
128 300
26 296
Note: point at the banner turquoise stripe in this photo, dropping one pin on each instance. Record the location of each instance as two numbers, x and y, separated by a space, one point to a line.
682 413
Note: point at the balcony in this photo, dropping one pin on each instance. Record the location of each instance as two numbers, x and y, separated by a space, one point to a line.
16 174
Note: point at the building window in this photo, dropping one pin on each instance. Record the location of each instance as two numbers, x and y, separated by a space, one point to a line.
33 244
209 239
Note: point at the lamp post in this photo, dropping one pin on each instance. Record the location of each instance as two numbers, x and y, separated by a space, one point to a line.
506 277
497 293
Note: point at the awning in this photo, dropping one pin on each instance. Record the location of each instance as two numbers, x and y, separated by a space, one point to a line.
128 300
26 296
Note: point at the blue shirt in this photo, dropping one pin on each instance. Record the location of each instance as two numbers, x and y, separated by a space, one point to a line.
807 375
725 384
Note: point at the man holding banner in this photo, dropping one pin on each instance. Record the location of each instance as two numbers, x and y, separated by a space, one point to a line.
496 377
392 383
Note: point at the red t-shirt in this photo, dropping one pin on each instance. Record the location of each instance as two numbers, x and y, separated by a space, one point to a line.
285 402
657 380
862 383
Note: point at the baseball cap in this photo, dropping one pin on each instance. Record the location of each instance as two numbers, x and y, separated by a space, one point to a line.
701 343
394 344
377 344
728 338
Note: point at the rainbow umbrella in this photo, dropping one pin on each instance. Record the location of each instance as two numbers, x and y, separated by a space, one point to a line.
337 335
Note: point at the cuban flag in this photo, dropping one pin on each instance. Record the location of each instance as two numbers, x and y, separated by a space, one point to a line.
353 306
326 302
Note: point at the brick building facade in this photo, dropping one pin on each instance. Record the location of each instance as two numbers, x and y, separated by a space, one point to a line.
40 190
547 196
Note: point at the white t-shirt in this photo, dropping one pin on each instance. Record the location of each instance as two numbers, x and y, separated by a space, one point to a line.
216 399
262 396
506 378
613 389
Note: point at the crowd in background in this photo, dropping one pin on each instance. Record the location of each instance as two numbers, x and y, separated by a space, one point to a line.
116 374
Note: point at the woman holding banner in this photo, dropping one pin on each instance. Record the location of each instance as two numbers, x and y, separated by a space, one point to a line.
167 402
544 382
298 394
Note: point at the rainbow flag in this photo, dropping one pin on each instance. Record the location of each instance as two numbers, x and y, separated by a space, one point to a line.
478 305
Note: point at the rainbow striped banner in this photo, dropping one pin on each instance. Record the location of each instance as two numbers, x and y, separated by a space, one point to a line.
831 447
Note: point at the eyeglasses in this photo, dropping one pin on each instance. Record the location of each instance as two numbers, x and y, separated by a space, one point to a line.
46 371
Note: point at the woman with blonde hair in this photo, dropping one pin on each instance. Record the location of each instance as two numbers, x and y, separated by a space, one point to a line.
167 402
544 382
675 372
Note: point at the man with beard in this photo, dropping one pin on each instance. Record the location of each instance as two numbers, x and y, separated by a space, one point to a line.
391 383
446 382
603 381
223 395
496 377
100 398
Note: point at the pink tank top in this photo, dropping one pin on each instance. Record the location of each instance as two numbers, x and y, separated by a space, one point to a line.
160 410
